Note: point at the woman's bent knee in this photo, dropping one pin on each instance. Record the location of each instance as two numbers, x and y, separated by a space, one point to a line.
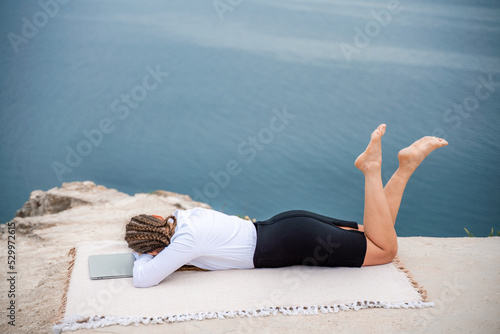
391 252
376 255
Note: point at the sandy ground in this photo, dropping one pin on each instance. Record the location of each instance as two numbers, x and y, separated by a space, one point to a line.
461 275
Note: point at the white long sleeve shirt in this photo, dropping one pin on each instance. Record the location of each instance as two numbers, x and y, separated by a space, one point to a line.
203 238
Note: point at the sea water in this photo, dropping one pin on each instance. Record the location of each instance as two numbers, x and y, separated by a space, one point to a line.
255 107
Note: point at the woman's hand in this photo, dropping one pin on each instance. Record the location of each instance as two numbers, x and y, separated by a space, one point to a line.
156 251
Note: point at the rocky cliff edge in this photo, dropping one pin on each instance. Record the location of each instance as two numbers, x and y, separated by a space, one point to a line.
52 222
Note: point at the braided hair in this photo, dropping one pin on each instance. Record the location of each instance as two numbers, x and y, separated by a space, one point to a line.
145 233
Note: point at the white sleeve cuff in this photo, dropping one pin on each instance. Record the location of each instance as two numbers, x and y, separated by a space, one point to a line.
142 256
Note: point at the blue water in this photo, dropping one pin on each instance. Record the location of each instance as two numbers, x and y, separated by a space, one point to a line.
228 78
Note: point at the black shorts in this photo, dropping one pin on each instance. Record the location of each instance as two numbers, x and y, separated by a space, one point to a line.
306 238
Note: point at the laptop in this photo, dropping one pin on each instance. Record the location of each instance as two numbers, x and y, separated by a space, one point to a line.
111 265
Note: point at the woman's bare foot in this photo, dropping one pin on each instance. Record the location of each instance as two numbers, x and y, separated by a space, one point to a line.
371 158
413 155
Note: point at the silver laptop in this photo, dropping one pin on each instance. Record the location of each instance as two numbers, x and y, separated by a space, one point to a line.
111 265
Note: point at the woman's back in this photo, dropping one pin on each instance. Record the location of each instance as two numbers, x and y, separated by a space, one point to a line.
204 238
223 241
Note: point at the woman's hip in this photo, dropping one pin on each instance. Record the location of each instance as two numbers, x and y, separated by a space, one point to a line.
306 238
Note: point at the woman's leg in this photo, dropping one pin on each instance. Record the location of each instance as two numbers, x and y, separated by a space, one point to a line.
409 159
379 249
379 230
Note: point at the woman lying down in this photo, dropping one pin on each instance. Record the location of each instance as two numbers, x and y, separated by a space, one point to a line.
212 240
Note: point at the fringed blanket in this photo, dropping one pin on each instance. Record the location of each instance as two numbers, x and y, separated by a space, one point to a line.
197 295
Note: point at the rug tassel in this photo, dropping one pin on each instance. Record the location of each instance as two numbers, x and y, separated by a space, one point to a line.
79 322
62 309
420 289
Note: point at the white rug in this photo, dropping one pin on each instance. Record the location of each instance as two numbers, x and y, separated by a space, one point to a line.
196 295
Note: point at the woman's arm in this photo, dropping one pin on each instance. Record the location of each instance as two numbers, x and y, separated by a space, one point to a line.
149 271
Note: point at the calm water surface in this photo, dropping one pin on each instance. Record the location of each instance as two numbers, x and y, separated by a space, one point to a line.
264 91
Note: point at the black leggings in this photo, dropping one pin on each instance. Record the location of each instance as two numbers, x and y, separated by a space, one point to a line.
306 238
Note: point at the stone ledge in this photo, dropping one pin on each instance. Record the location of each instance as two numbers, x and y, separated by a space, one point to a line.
461 275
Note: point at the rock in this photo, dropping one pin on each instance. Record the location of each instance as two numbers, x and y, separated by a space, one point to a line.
458 273
176 199
70 195
51 223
